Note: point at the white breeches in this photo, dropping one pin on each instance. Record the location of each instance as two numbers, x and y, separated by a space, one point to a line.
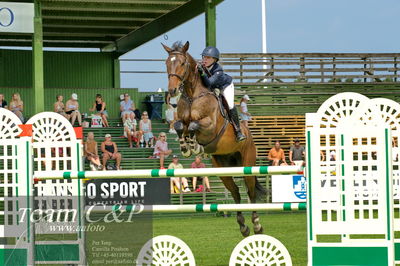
229 94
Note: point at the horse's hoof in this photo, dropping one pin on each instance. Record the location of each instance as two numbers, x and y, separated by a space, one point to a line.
245 231
259 231
186 153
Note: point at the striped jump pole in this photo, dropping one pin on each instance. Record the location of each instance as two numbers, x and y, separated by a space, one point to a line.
222 171
191 208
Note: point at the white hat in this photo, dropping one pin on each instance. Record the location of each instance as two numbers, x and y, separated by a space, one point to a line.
74 96
246 97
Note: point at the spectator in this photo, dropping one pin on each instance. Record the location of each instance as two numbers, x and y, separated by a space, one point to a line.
100 106
17 106
296 154
244 113
199 164
276 155
161 149
3 103
172 103
145 129
332 155
127 106
91 152
130 129
59 106
110 151
72 109
178 180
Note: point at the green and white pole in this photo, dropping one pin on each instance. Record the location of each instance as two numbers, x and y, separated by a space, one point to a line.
191 208
222 171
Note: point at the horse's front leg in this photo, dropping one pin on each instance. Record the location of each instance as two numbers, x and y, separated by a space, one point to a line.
195 147
180 129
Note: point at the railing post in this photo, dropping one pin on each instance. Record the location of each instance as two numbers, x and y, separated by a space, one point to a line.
302 70
241 69
180 191
272 69
322 70
395 69
334 69
365 67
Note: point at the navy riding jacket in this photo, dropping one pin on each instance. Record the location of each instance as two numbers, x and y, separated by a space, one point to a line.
218 78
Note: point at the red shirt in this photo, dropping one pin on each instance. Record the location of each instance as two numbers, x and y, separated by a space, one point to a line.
200 165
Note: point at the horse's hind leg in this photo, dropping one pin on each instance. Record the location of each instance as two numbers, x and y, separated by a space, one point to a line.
229 183
179 128
251 184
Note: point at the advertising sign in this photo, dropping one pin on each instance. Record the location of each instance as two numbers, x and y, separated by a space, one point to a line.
289 188
16 17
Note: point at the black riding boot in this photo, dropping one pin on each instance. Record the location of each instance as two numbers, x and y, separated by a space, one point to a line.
235 120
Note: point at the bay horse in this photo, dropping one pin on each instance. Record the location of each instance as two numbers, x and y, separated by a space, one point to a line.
202 126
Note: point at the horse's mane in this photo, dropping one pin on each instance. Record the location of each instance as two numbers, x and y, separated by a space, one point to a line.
178 47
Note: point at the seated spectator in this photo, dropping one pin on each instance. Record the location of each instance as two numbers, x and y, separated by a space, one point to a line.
145 129
276 155
199 164
172 103
178 180
17 106
110 151
296 154
130 131
3 103
244 113
100 107
161 149
59 106
91 153
127 106
72 109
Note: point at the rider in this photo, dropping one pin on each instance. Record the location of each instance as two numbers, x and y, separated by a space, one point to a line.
213 77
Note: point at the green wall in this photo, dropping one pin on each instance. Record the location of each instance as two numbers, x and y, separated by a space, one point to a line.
61 69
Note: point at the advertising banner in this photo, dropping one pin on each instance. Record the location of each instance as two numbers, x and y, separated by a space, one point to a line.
289 188
16 17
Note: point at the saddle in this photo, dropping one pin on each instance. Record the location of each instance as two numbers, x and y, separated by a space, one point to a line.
222 105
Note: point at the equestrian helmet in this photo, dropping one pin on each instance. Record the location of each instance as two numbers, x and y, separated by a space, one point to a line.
211 51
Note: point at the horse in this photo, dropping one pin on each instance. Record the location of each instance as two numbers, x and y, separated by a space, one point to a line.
203 127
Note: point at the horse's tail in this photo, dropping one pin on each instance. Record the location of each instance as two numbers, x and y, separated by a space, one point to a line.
260 190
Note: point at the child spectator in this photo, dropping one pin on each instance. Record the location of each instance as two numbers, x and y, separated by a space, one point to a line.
199 164
59 106
130 129
91 152
100 106
296 154
161 149
17 106
3 103
72 109
145 129
127 106
276 155
244 113
110 151
177 180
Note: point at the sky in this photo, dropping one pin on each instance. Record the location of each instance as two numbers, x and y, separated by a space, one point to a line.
292 26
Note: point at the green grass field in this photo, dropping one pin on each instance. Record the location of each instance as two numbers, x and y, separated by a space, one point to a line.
213 238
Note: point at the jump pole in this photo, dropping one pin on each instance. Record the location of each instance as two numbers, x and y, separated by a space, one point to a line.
191 208
221 171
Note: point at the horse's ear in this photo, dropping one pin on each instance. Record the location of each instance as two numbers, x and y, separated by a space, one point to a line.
166 48
186 47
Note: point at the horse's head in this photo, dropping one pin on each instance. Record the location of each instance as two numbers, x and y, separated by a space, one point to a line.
177 66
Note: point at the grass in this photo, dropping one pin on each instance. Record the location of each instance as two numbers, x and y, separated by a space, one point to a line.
211 238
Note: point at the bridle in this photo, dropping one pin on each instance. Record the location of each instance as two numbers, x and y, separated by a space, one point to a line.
185 74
